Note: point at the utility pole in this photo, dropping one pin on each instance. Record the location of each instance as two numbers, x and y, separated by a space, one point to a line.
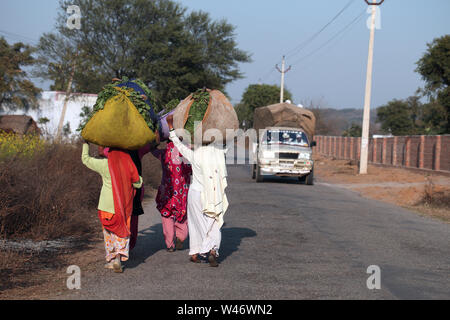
282 71
66 100
366 117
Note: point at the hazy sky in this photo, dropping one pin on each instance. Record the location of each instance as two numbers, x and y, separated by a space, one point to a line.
331 67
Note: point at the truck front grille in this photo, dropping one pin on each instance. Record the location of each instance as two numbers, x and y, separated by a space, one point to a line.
287 155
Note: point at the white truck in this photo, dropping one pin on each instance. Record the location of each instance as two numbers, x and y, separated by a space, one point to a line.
283 151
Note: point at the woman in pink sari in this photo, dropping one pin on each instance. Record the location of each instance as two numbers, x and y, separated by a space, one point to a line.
171 200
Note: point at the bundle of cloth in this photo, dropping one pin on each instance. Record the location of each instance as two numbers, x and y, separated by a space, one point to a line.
212 109
123 116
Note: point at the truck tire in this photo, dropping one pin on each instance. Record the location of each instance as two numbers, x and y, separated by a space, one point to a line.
254 171
302 179
259 177
310 178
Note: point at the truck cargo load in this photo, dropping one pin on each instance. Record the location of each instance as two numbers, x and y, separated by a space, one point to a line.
285 115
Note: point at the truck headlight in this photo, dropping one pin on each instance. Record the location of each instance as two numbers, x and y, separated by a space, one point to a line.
268 154
304 155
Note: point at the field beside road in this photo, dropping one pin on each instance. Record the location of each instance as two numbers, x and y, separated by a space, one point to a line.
427 193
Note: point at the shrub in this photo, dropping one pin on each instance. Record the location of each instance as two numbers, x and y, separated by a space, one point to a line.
47 194
12 144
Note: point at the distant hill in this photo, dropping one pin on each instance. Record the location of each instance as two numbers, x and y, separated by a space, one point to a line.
335 121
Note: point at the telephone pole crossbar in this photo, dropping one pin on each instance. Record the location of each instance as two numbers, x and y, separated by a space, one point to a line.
283 72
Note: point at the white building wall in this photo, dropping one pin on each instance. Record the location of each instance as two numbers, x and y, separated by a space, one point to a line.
51 104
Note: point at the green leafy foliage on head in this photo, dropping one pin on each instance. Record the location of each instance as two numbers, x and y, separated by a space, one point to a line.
110 90
198 109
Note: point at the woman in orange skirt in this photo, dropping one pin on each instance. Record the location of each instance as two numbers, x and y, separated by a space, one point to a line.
120 178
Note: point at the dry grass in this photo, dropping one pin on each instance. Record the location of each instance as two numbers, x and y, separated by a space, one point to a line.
47 196
435 201
435 197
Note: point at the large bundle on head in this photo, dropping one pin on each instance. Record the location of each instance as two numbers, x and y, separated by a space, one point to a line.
212 109
285 115
122 116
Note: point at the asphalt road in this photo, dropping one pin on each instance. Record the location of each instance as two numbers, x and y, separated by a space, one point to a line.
283 240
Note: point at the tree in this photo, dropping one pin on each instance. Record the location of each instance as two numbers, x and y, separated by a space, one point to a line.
434 118
259 95
434 67
244 114
173 52
16 90
399 117
355 130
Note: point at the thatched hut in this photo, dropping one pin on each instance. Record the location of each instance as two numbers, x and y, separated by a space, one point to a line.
19 124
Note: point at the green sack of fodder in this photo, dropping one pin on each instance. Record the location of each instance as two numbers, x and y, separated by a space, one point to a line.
212 109
117 122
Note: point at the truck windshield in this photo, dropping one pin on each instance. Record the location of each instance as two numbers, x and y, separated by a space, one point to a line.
290 137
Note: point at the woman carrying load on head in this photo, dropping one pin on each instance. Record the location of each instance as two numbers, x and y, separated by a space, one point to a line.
137 155
120 178
171 200
207 201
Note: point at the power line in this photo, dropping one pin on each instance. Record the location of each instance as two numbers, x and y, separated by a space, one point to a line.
302 45
16 36
309 40
268 74
342 31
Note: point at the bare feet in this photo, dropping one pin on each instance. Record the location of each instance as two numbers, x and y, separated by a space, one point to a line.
117 265
212 259
194 258
179 244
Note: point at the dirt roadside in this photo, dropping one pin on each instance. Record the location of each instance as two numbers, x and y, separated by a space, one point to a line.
426 193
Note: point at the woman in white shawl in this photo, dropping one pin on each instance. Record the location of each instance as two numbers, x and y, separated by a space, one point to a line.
207 201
